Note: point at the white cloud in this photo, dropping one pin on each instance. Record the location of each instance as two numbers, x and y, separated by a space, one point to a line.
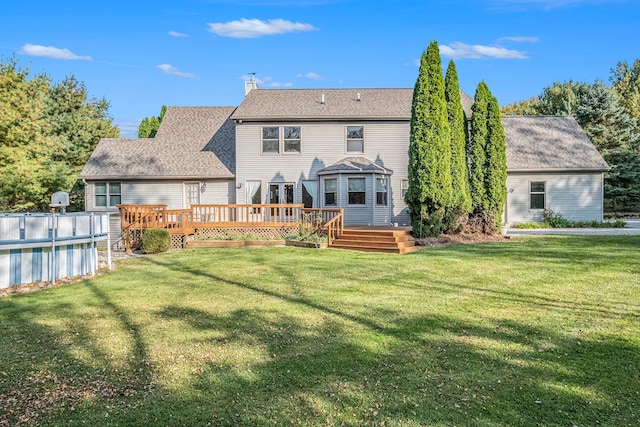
170 69
51 52
461 50
312 76
177 34
518 39
253 28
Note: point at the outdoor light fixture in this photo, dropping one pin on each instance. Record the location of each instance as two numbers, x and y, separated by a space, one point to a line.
239 185
203 187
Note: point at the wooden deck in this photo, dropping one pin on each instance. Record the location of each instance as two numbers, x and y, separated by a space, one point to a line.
184 222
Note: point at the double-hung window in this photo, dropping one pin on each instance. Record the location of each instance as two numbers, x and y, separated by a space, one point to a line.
357 188
331 192
355 139
537 195
271 140
277 139
381 191
292 139
404 186
107 194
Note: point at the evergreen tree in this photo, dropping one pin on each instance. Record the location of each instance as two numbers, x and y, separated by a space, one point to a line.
149 125
47 133
622 183
429 192
496 164
476 149
604 120
461 196
561 99
626 83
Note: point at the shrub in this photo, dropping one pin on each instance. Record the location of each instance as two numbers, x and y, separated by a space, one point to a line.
555 220
155 240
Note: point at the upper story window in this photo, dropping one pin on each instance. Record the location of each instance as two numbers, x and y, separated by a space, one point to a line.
285 139
537 195
404 186
357 191
355 139
271 139
331 192
108 194
292 139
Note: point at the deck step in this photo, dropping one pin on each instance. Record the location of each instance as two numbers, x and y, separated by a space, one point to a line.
375 240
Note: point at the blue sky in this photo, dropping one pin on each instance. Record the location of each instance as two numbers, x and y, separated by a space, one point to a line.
140 55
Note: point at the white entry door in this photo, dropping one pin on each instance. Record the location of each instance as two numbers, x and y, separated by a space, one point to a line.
191 194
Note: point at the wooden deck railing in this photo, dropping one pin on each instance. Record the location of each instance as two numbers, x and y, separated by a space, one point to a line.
267 215
335 227
135 218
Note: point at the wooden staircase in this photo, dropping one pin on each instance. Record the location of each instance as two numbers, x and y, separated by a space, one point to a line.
375 240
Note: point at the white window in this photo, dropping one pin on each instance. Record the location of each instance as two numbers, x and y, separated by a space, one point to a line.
292 139
355 139
254 193
271 140
331 192
404 186
357 188
381 191
108 194
537 195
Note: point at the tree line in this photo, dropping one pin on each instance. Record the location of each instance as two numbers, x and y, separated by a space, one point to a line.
610 116
456 177
47 133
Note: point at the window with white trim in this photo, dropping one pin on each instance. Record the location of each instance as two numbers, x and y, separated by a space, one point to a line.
331 192
382 191
357 188
292 139
537 195
355 139
404 186
107 194
271 140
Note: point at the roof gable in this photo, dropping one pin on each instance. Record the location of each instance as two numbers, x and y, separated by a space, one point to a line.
192 142
549 143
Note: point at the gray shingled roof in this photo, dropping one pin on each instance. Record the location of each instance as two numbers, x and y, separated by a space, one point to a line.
547 143
192 142
339 104
355 165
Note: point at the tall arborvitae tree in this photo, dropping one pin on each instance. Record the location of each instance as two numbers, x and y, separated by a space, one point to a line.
461 197
429 192
496 165
149 125
476 149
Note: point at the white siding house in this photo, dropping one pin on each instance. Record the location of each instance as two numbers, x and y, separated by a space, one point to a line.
551 164
330 148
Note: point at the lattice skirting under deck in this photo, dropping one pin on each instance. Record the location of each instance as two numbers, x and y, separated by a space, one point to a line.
243 232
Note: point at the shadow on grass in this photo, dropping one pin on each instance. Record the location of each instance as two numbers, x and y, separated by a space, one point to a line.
420 370
364 366
46 371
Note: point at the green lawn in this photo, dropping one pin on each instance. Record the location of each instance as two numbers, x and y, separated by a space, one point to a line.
536 331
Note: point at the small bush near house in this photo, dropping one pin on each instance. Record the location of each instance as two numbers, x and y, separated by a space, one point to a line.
155 241
552 219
